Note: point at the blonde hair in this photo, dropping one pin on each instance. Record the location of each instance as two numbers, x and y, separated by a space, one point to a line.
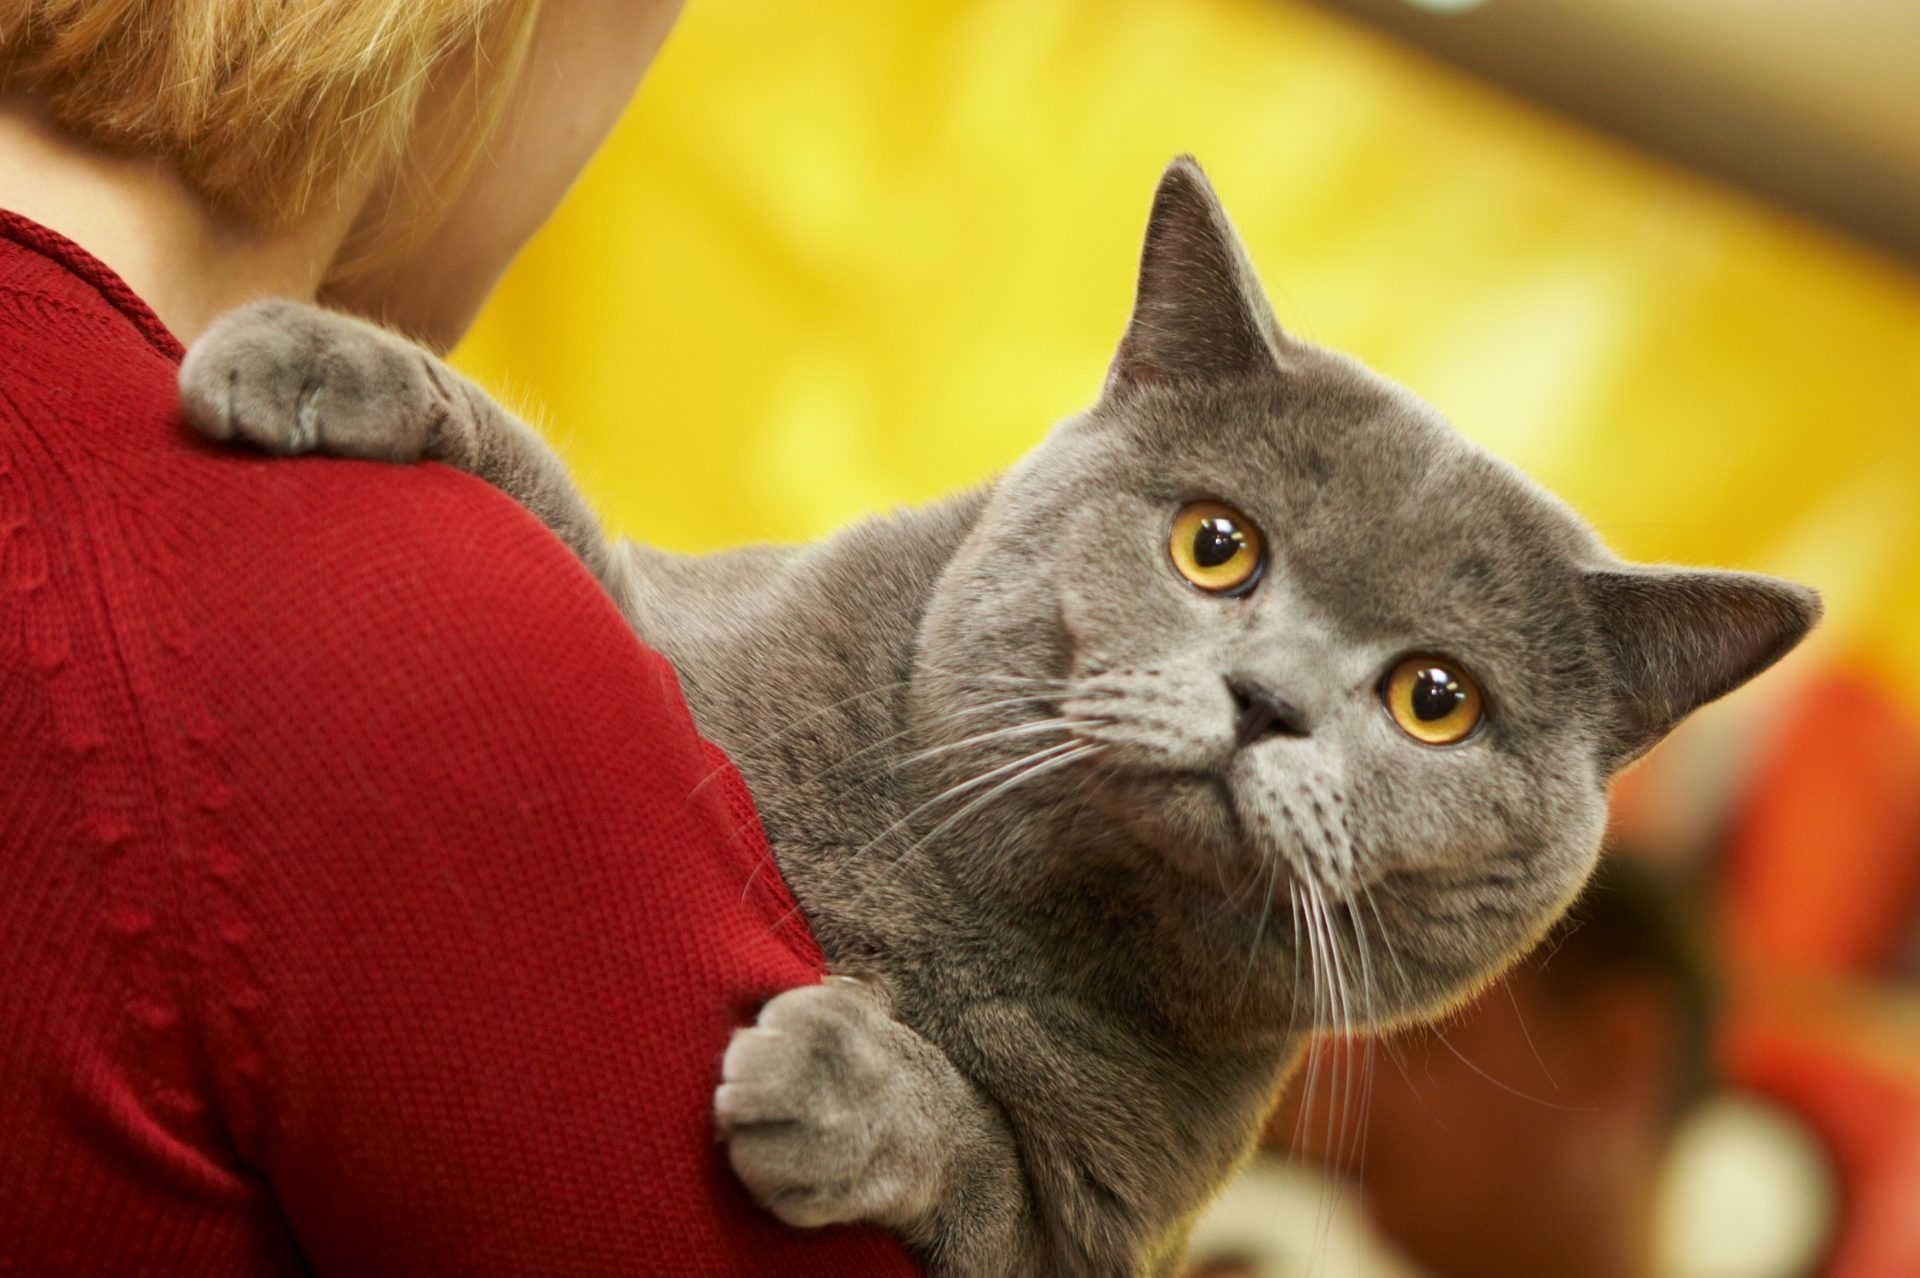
267 108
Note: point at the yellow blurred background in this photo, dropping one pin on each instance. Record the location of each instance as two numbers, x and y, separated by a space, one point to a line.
850 254
845 255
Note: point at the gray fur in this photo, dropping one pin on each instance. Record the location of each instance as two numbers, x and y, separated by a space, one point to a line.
993 744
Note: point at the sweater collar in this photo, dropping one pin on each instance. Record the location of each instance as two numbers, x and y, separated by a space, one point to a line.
89 270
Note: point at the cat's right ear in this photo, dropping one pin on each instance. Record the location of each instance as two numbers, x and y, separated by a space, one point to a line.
1199 314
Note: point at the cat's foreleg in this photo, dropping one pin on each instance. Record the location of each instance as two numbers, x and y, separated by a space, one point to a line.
292 379
833 1111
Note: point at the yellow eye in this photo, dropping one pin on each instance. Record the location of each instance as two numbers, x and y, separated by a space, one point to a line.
1216 548
1432 699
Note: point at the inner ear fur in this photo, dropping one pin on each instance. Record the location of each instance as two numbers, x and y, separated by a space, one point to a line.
1678 638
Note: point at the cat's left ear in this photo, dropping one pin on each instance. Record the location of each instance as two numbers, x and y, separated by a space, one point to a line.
1679 638
1199 314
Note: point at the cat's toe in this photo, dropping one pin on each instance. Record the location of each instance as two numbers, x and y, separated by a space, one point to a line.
241 381
805 1105
290 379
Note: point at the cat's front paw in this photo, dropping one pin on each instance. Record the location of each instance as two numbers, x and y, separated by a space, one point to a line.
291 379
827 1113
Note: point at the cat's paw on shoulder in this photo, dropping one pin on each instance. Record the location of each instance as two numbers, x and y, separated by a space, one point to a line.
820 1105
289 378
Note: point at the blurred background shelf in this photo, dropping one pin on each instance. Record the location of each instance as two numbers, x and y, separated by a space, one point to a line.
1811 105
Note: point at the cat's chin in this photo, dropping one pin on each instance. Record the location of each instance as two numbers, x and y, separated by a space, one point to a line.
1187 820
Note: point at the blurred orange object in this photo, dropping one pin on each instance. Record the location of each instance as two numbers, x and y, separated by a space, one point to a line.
1818 890
1821 868
1848 1062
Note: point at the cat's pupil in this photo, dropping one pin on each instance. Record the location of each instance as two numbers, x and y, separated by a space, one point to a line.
1215 542
1436 694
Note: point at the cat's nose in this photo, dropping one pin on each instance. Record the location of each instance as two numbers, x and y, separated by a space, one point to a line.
1259 712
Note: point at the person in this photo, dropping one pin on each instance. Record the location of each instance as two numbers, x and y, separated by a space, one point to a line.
371 904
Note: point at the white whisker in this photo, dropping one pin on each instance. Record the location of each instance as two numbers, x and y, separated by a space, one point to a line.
1341 1090
955 791
1259 928
950 717
797 724
996 734
1075 750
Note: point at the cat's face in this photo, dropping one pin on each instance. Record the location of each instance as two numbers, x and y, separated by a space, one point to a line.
1312 651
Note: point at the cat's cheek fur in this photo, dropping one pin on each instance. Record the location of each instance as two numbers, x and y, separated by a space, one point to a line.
1119 597
1456 929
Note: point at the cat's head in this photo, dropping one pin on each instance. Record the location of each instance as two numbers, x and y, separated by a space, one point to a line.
1308 649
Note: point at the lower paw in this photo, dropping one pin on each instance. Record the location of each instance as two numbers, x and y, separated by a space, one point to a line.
290 379
825 1110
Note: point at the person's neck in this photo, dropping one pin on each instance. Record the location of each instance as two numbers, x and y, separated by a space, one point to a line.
183 258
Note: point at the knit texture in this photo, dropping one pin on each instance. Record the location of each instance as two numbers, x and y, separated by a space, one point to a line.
368 902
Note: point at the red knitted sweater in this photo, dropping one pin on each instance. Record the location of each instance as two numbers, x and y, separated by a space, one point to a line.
360 907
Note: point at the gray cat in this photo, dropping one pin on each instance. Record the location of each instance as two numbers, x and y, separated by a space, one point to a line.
1254 702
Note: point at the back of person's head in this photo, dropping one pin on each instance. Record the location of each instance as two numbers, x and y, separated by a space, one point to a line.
267 109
